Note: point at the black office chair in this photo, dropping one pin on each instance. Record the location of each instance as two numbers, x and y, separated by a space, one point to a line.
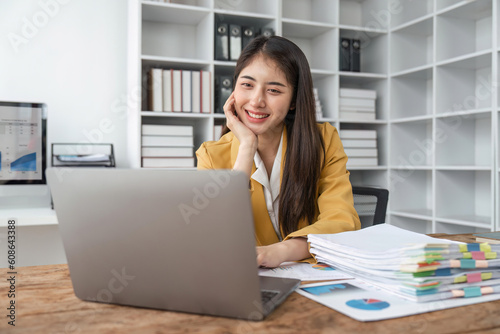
371 204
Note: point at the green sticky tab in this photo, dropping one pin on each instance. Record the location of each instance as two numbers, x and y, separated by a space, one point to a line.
460 279
467 263
463 248
467 255
472 291
424 273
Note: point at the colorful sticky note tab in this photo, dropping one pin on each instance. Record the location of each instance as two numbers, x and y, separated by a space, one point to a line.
474 277
472 291
467 263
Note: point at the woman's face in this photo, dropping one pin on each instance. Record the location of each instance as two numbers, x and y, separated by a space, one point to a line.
263 96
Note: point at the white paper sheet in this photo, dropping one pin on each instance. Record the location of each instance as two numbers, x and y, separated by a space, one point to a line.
364 302
305 272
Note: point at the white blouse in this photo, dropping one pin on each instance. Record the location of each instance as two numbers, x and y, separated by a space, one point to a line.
271 185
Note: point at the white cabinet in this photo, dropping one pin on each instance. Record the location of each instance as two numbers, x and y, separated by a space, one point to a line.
432 63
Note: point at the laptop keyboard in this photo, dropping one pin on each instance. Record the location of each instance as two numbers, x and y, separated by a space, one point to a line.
267 295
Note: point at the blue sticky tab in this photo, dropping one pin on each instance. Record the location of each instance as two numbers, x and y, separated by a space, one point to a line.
472 291
473 247
467 263
443 272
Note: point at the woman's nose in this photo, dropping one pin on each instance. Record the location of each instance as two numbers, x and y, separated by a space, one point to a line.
257 99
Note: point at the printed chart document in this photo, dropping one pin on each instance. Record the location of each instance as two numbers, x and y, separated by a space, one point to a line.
364 302
304 272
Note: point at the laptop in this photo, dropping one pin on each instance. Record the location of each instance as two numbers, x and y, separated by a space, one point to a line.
177 240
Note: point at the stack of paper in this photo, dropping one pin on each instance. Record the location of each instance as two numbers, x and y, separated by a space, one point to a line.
360 146
411 265
357 104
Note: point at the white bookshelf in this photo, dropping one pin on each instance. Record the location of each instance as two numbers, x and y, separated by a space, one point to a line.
437 109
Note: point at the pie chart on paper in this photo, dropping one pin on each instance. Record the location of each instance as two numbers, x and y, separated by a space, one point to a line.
322 267
368 304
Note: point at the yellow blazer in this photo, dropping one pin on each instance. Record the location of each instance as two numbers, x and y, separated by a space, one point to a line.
335 209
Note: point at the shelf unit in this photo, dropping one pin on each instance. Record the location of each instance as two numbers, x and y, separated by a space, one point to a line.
437 109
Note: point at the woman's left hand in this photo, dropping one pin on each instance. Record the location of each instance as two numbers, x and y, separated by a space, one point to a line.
272 256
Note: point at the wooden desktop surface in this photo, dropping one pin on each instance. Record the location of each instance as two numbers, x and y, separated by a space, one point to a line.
45 303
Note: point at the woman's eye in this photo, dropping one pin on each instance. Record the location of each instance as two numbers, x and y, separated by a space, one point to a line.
275 91
245 84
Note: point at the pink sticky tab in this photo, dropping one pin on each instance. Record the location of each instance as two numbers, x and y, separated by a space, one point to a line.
474 277
478 255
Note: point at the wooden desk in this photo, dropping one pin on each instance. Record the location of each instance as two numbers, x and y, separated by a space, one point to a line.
45 303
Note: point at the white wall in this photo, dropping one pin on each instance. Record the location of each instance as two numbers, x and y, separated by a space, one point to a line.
70 54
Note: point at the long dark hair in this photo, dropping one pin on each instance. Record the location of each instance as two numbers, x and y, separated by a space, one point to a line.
305 147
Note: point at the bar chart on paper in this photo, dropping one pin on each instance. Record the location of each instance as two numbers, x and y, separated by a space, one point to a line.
20 146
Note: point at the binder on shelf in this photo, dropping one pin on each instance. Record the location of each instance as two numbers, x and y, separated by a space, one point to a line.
266 31
345 54
206 91
167 90
196 91
155 80
355 55
177 90
221 41
235 45
82 155
224 87
247 35
186 91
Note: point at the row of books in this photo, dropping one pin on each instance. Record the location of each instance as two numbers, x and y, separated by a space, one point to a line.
357 104
231 39
166 146
171 90
349 55
360 147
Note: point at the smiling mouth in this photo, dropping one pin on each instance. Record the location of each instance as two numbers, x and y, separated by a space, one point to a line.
255 115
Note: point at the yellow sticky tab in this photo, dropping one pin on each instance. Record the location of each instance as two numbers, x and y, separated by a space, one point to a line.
462 247
484 247
490 255
460 279
486 276
467 255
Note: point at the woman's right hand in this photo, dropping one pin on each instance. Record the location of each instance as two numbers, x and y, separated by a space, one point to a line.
246 137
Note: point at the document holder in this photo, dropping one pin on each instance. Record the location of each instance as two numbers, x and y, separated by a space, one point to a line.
82 155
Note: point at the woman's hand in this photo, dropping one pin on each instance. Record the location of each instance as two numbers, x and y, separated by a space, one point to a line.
245 136
272 256
247 139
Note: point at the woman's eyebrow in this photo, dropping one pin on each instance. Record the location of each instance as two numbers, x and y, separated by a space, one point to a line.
275 83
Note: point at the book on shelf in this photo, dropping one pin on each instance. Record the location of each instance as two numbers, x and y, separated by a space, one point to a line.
186 91
177 141
358 134
218 131
361 143
491 238
357 115
361 152
358 93
167 90
168 162
166 151
361 161
355 102
177 90
155 89
167 130
319 107
206 91
196 91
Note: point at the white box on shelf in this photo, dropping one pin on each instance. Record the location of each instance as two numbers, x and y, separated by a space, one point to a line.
366 143
178 141
358 134
361 152
167 162
165 151
358 93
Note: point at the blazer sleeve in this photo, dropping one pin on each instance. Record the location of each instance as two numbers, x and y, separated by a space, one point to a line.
336 211
204 160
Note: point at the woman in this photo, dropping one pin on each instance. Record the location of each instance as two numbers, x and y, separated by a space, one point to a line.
297 168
